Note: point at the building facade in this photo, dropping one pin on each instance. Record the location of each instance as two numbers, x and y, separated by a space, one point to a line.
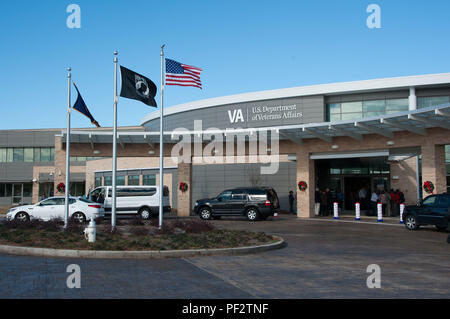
379 134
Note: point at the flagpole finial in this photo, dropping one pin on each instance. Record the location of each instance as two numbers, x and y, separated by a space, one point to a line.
69 69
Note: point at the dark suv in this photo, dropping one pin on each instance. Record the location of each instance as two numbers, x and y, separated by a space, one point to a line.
434 210
252 202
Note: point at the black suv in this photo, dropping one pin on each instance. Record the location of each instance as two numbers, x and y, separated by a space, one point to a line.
252 202
434 210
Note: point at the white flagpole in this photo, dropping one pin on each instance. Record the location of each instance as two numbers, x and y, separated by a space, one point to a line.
161 142
67 188
114 157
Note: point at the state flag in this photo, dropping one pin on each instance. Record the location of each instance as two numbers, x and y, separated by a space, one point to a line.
81 107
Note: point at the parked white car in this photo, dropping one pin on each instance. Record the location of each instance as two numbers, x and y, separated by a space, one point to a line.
79 209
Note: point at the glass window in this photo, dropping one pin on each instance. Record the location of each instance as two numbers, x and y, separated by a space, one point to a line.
2 155
397 105
27 189
423 102
351 116
225 196
45 154
108 180
133 180
28 154
98 181
334 108
374 106
37 154
120 180
2 190
49 202
8 190
149 180
52 154
334 117
429 201
18 154
10 155
351 107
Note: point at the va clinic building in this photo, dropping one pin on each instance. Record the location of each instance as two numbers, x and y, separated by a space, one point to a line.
382 134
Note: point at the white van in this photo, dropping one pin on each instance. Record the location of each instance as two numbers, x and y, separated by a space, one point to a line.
132 200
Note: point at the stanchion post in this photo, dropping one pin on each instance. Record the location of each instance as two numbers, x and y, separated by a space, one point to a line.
380 212
336 210
357 211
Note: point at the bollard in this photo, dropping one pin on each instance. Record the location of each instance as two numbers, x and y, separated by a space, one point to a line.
336 210
357 211
275 215
402 209
90 232
380 212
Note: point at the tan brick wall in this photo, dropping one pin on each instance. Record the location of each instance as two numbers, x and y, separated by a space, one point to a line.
407 181
185 199
305 172
433 167
60 165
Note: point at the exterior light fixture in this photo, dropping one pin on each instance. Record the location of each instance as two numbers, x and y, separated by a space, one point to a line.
390 142
335 147
96 152
151 152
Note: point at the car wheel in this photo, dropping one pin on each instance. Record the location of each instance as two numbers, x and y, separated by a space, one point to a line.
79 217
22 216
411 222
145 213
252 214
205 213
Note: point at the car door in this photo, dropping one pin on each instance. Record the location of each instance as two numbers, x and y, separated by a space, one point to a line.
424 211
440 212
222 205
238 202
49 208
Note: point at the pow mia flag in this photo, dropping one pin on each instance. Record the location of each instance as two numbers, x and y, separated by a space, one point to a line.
137 87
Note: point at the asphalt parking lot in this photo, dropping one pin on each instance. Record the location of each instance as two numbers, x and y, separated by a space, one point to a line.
323 259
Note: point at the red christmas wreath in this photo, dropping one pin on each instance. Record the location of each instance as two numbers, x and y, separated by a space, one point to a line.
428 187
61 187
302 186
183 187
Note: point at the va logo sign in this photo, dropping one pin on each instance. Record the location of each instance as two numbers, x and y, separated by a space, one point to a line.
235 116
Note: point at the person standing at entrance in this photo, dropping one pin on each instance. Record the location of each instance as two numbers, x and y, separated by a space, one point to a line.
291 202
383 200
317 196
362 197
373 203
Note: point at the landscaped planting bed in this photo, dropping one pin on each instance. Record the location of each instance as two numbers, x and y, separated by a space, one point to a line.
129 235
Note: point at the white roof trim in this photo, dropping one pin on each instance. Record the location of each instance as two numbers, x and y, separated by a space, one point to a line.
322 89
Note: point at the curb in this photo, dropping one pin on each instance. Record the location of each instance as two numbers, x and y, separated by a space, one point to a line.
152 254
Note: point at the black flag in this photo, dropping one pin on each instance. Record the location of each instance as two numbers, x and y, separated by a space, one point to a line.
137 87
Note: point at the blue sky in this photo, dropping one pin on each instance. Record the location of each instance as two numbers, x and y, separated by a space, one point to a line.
242 46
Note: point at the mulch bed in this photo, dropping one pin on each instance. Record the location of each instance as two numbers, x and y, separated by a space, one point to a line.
130 235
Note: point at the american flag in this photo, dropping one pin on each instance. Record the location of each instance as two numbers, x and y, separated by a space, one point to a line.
182 74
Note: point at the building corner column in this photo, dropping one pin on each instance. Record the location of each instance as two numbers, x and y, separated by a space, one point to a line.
433 167
305 172
412 99
184 198
59 174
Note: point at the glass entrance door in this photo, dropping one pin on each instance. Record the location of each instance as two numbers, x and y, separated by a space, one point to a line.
17 193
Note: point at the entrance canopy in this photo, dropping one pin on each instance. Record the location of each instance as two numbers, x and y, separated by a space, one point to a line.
416 121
